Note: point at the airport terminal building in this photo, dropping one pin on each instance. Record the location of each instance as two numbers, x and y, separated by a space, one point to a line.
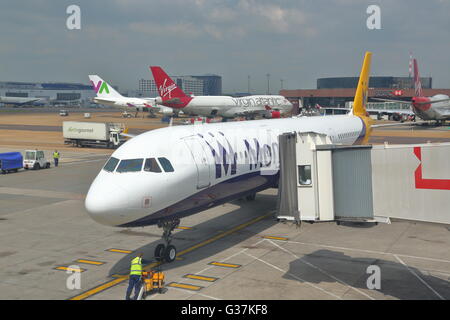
336 91
54 93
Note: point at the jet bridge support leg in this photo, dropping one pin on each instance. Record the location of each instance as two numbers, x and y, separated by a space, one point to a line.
167 252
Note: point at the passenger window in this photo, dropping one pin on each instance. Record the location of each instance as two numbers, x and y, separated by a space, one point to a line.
304 175
151 165
131 165
111 165
165 163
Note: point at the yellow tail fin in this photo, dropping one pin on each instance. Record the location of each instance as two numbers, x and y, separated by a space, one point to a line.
360 101
362 91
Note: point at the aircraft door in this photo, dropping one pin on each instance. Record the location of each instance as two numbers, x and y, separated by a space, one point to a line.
198 151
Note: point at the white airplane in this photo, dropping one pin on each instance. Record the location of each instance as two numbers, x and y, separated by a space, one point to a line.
106 95
162 175
269 106
436 107
18 101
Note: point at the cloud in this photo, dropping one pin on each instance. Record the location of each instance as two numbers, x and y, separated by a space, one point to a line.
296 40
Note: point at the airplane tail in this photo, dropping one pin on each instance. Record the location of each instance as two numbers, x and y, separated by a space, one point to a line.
417 84
361 96
362 91
167 89
102 88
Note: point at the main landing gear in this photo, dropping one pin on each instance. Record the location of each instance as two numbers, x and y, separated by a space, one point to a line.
167 252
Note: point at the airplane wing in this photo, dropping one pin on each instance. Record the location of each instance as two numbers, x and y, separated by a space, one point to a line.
391 100
391 111
97 100
382 125
385 111
402 101
435 101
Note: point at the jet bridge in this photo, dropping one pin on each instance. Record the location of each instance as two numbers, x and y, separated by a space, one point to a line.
320 181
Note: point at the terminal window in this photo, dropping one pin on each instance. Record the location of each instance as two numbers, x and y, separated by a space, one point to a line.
304 175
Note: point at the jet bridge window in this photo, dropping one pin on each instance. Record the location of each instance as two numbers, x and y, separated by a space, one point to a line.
111 164
151 165
165 163
130 165
304 175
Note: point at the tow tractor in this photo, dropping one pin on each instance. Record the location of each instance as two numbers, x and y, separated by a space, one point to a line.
151 281
35 159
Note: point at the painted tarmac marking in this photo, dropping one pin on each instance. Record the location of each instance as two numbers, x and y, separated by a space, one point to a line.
92 262
368 251
200 277
184 228
62 268
187 292
184 286
276 238
119 250
322 271
225 265
418 277
116 281
294 276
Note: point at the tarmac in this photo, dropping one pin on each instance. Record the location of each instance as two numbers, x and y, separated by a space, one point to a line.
234 251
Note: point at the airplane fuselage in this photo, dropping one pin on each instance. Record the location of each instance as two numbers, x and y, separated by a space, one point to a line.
433 111
229 107
18 100
212 164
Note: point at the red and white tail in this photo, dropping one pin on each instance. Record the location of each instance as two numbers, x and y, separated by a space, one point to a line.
167 89
417 83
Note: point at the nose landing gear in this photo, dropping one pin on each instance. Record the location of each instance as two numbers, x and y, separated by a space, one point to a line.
167 252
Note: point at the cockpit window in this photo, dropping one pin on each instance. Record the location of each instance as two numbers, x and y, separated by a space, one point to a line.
151 165
165 163
131 165
111 164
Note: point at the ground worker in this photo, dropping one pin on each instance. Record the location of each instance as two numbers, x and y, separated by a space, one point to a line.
56 157
135 277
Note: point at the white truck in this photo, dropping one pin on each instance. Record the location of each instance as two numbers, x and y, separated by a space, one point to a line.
93 134
35 159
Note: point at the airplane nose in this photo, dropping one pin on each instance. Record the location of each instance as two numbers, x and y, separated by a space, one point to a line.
105 201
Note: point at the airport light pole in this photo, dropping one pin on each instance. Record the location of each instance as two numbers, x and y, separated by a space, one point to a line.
248 84
268 83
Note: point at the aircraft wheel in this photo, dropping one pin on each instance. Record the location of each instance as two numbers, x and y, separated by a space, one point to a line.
170 253
159 252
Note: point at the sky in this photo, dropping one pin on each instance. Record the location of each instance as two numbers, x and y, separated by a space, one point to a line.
294 40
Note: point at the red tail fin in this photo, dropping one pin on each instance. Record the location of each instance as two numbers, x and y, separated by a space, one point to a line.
167 89
417 83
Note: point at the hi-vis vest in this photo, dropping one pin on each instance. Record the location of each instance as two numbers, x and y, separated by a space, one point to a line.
55 154
136 266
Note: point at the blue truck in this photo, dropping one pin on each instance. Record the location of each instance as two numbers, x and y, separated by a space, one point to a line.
10 162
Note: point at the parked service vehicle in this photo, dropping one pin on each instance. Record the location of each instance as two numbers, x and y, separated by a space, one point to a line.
35 159
63 113
93 134
10 162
